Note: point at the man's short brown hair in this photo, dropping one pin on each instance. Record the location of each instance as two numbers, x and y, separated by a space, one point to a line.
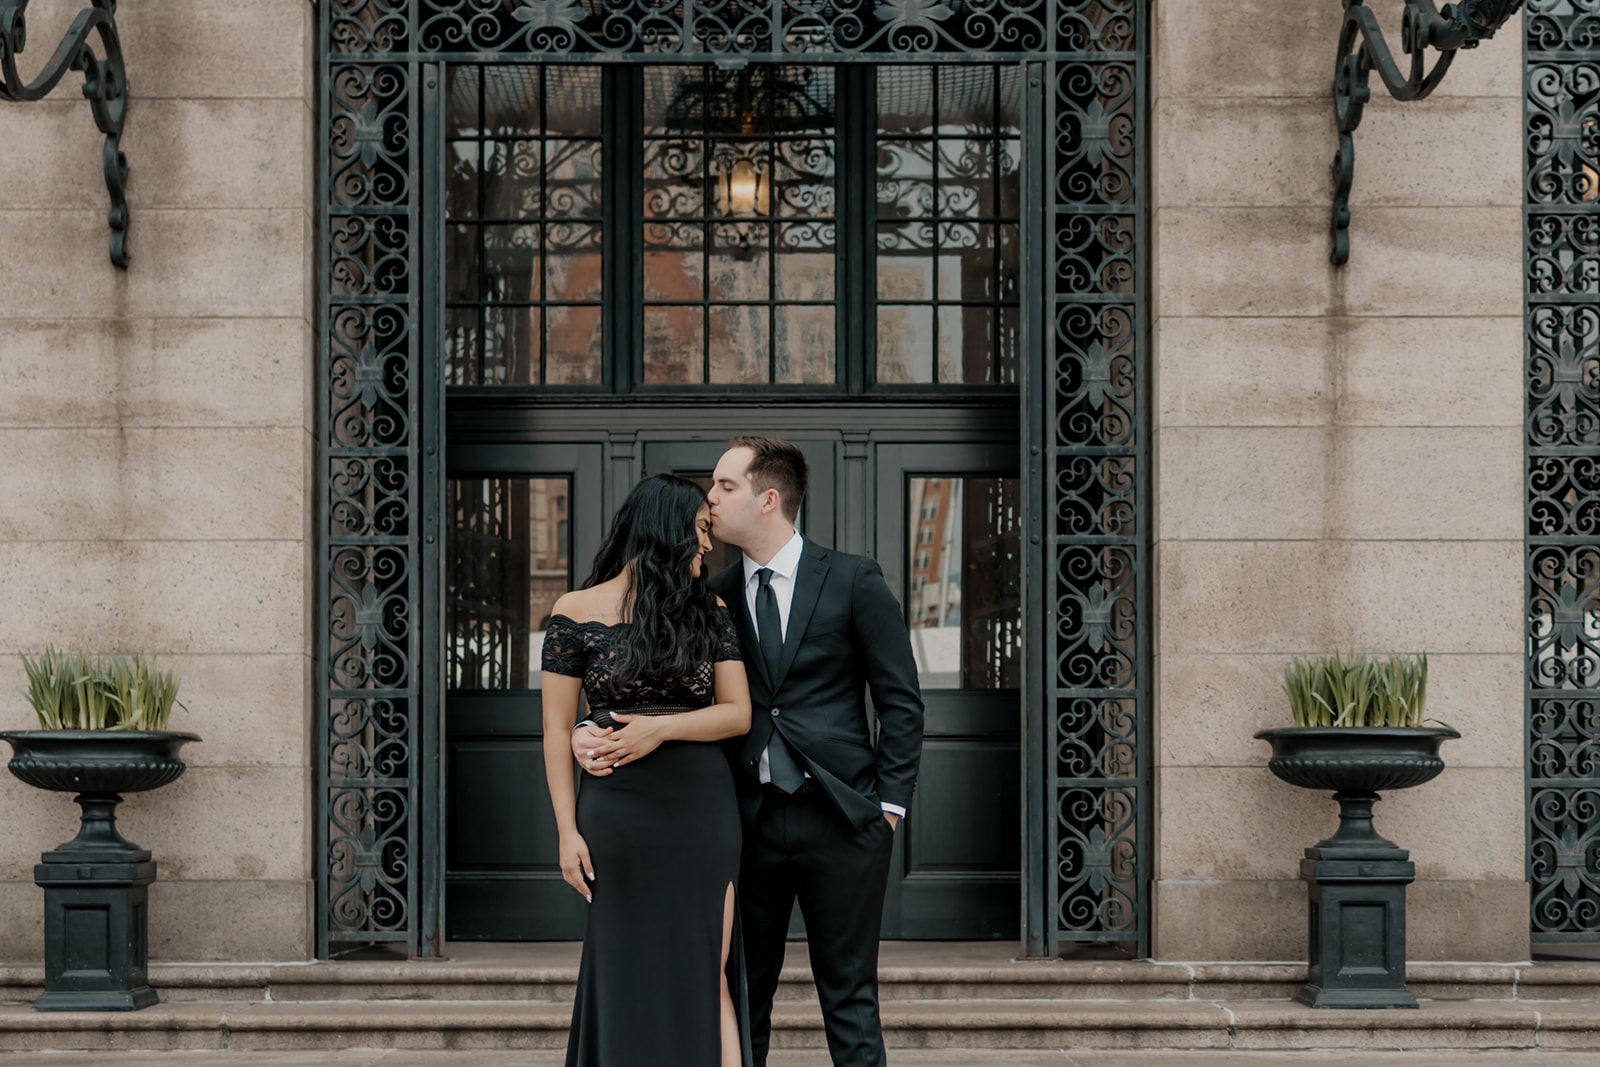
779 465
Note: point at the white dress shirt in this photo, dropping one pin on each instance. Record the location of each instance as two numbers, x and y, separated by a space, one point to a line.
784 565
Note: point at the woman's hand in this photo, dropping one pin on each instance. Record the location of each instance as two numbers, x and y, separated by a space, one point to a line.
576 866
585 740
642 737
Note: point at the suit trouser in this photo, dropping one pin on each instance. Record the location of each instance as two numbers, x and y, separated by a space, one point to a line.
800 848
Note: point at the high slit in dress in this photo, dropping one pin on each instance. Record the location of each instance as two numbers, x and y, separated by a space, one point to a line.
664 835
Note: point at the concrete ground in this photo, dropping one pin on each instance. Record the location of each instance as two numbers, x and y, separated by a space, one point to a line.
897 1058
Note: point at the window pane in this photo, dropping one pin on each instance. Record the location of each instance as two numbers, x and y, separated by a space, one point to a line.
674 345
905 99
524 215
803 177
674 262
906 344
806 262
463 105
739 344
963 590
966 177
738 203
572 261
905 178
740 265
461 264
948 178
511 338
674 178
1010 179
511 263
572 178
511 187
461 185
572 345
511 98
905 265
461 346
509 560
803 344
571 101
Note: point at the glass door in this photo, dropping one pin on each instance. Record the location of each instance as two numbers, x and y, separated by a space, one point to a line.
524 521
949 541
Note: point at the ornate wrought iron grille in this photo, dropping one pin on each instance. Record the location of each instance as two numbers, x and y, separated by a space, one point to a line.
1094 488
1083 376
1561 305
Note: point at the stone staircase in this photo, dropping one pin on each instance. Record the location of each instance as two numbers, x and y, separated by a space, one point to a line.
936 995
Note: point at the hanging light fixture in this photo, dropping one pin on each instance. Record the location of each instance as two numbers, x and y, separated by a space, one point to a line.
732 108
742 189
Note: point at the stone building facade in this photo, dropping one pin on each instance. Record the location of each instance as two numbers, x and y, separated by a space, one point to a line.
1337 457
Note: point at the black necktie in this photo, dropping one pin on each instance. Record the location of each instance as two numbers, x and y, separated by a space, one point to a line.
786 772
769 624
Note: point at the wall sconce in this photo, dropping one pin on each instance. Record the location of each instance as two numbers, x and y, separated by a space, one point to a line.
1460 25
105 83
743 189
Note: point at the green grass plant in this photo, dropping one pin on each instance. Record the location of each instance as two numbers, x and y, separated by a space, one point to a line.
75 691
1352 690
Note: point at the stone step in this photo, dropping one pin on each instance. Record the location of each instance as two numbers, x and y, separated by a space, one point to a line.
951 1023
549 973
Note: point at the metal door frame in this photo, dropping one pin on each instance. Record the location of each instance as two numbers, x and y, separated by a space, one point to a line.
380 435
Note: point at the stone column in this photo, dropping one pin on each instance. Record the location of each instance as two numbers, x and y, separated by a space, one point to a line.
1338 465
157 440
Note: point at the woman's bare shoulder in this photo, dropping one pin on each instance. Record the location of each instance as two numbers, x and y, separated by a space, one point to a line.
597 604
570 604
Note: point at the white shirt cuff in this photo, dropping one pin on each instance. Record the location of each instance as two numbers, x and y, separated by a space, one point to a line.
893 809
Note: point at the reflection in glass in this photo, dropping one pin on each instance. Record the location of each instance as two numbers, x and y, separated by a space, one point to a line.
963 589
523 247
948 185
509 560
739 227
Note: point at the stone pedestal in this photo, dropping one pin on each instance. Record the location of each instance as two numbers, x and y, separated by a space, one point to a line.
96 897
1356 889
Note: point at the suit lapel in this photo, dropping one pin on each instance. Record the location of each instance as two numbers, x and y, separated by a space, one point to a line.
807 588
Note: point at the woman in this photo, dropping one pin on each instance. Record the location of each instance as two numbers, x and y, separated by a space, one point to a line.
652 841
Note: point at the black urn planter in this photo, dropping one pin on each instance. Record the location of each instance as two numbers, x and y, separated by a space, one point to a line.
96 886
1356 880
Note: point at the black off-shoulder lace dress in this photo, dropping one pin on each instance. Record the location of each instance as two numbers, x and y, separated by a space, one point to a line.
664 835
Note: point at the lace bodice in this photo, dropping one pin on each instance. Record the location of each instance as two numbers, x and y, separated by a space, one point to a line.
587 650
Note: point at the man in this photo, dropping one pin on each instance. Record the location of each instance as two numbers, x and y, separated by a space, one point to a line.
820 805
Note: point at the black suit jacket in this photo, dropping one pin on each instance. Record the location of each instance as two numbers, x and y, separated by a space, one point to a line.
846 635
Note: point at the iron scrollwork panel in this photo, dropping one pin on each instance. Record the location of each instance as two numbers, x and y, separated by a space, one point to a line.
367 829
536 29
1095 640
1561 161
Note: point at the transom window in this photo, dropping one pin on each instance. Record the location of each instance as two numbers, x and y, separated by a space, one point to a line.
651 229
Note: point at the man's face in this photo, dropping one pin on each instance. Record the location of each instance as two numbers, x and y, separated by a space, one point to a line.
735 506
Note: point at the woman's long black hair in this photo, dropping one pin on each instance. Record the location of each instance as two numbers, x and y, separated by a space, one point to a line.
673 614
